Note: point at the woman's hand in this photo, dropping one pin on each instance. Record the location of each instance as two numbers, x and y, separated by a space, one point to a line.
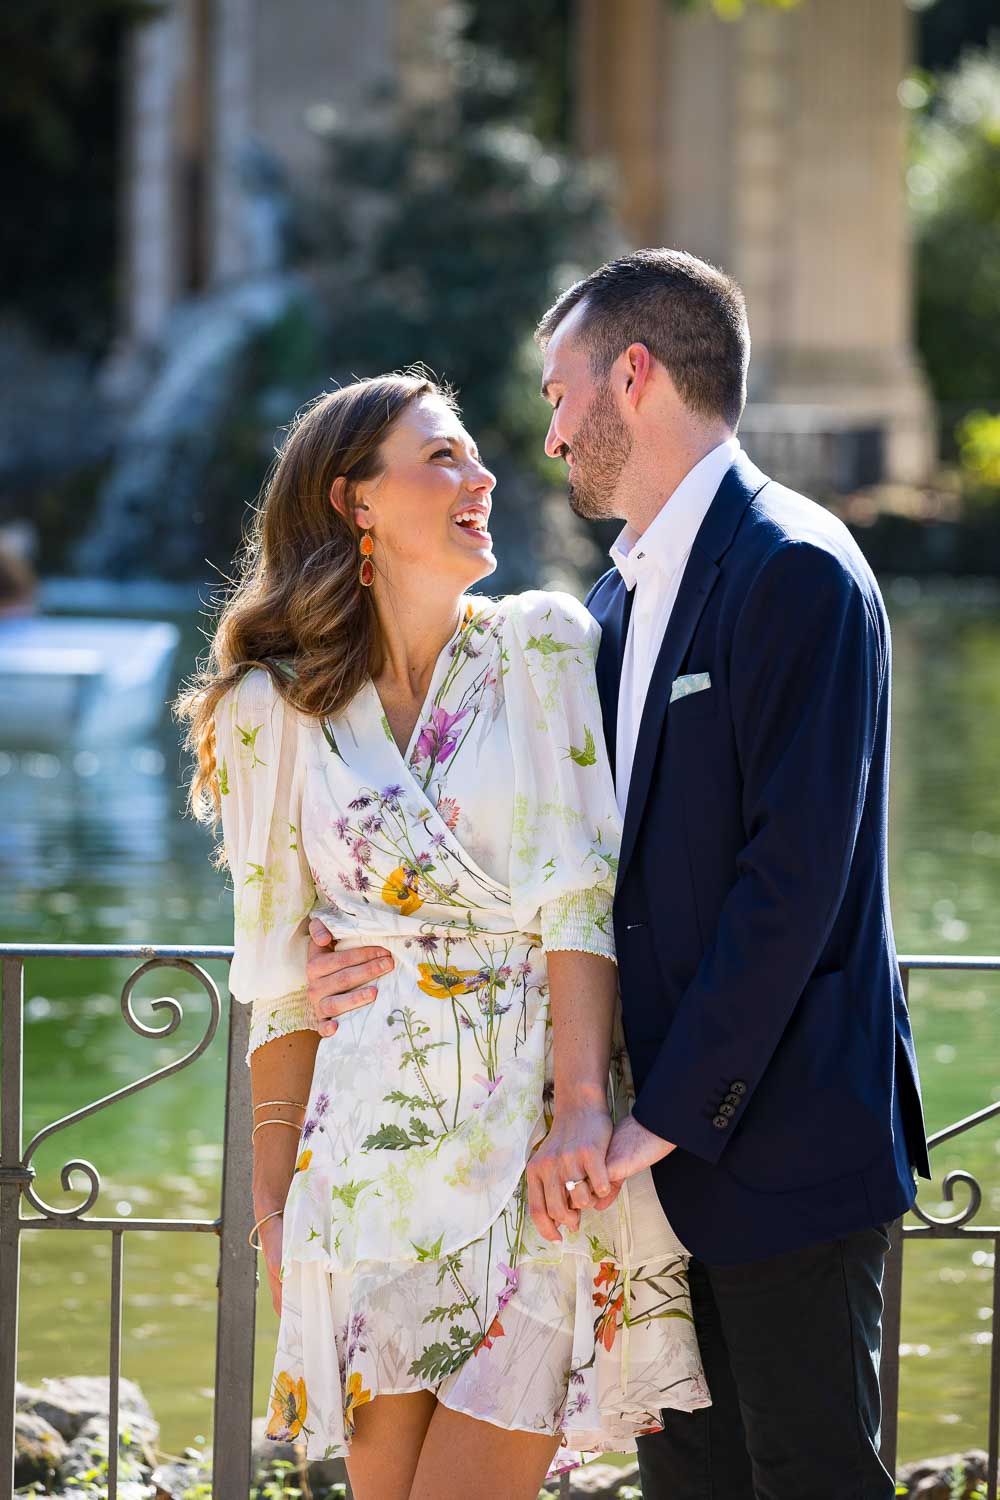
271 1235
574 1150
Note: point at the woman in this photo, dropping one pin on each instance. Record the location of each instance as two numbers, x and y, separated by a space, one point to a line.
425 770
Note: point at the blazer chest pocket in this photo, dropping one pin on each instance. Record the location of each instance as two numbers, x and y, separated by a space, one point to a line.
693 696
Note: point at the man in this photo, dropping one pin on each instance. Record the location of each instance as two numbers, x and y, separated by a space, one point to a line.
745 680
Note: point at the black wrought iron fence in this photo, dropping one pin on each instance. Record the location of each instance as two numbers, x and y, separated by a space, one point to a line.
237 1274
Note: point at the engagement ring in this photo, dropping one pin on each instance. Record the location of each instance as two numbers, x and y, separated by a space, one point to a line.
573 1182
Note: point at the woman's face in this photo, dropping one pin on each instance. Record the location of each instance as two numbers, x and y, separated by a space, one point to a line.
430 507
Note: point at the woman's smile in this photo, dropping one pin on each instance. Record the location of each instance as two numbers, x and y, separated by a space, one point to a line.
473 522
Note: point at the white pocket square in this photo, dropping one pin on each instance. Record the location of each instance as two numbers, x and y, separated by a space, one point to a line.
694 682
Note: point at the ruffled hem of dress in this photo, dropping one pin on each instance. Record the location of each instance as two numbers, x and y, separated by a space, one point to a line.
575 1449
603 1409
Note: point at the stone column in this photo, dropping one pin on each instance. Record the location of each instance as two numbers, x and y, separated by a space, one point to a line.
843 329
229 126
778 149
154 57
619 51
315 63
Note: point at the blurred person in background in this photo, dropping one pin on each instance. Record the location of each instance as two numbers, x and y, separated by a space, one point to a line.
18 583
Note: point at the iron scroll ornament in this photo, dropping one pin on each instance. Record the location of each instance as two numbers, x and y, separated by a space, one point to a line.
176 1009
957 1176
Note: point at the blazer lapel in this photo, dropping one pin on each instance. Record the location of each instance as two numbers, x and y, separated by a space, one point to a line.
715 535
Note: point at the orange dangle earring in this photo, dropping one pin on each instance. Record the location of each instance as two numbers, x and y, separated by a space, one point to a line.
366 547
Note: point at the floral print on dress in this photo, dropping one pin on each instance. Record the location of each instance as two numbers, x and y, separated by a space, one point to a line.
409 1259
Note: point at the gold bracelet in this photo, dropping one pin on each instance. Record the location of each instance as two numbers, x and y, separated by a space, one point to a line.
275 1213
264 1102
260 1123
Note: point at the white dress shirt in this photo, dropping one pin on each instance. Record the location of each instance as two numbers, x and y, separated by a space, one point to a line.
652 562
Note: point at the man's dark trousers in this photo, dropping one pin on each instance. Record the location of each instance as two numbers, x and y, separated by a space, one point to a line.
798 1334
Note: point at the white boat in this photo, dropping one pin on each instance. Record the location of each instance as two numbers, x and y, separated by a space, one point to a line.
68 680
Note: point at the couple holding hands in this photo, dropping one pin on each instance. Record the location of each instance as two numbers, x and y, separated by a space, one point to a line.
566 933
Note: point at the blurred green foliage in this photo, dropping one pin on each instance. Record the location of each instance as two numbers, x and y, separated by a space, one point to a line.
954 189
954 186
979 447
448 229
732 10
545 76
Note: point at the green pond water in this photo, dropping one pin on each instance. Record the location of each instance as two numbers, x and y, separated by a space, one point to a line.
94 849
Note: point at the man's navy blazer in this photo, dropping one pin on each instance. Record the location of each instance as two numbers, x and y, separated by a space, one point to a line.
762 999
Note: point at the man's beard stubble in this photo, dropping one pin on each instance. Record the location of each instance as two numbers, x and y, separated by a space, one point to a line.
601 449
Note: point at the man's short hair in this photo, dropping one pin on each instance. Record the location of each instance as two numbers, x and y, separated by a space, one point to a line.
690 315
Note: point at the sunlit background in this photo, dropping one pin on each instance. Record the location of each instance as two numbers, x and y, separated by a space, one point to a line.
221 207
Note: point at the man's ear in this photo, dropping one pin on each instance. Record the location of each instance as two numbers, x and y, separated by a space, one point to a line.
638 366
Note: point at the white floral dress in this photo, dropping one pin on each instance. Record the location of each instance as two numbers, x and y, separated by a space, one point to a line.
409 1260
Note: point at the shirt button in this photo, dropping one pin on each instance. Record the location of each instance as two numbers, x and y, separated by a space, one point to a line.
720 1122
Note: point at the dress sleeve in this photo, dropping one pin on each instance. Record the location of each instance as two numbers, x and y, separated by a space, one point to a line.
566 828
260 782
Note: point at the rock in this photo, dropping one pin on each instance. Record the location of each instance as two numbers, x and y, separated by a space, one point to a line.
934 1478
976 1461
326 1472
39 1450
68 1403
932 1487
267 1453
137 1450
317 1476
600 1480
128 1489
170 1481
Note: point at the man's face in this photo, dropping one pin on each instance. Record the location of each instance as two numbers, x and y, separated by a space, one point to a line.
587 430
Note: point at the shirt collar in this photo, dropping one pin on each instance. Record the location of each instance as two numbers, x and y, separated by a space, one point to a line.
669 537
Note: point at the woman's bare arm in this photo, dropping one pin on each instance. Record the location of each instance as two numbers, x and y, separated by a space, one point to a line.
582 991
279 1069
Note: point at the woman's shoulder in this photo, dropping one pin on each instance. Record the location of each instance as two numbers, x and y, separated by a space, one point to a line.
256 698
550 622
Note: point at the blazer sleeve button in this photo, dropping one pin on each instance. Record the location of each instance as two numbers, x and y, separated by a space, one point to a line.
738 1087
732 1098
720 1122
728 1110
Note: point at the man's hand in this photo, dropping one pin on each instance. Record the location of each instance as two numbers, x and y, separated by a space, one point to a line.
340 982
574 1150
634 1148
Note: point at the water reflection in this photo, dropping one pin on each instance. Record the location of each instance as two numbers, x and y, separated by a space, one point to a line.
94 848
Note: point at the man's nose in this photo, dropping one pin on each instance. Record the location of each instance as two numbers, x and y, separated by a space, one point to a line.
554 444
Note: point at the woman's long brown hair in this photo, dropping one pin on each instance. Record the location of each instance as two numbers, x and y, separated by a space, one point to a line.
296 595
